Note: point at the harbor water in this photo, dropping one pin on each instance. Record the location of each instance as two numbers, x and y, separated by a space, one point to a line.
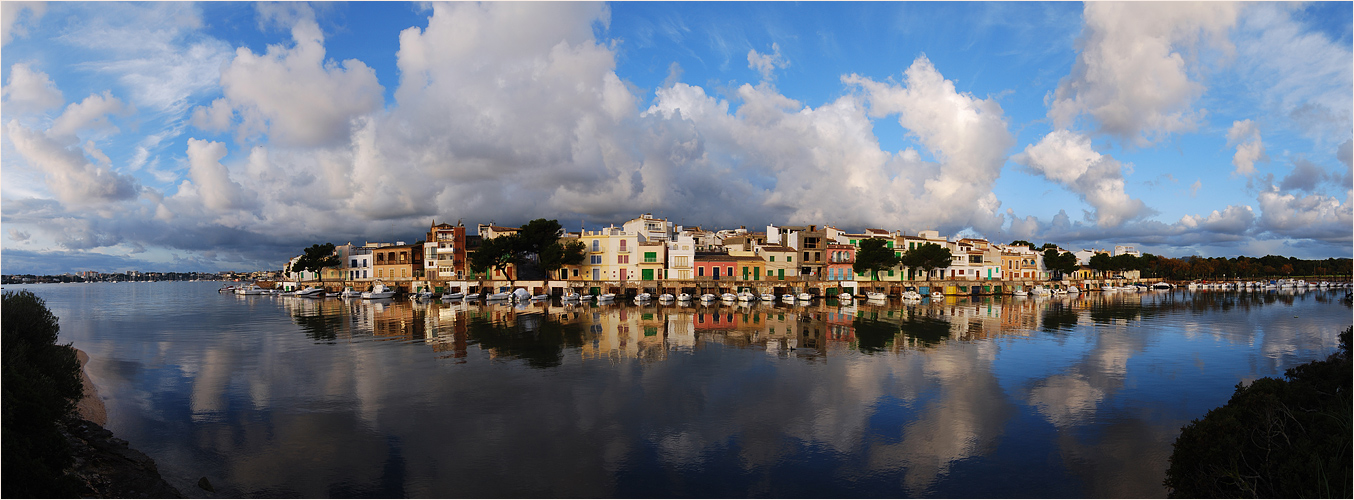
1078 396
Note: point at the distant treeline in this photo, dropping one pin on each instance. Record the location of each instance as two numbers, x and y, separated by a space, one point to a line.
1194 267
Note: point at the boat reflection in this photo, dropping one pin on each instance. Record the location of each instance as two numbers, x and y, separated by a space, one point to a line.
539 332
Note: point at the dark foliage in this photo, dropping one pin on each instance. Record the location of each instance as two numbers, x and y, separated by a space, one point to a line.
557 255
315 258
873 256
927 257
1060 263
1276 438
496 253
41 387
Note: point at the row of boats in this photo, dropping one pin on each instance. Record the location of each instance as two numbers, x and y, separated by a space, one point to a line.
382 291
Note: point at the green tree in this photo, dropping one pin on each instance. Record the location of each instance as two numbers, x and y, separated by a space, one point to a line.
41 388
1275 438
1123 262
1059 262
1102 262
538 235
873 256
558 255
315 258
927 257
496 253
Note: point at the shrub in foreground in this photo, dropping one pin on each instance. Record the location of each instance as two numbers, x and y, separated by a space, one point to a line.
1276 438
41 387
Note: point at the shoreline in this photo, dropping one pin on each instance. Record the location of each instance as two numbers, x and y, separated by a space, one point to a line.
107 466
91 406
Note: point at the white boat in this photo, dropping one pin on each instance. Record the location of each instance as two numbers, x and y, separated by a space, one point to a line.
349 293
667 297
571 295
499 296
768 297
1017 293
709 297
1059 291
249 290
643 297
746 296
684 297
473 296
585 297
844 296
937 295
379 291
606 297
310 291
804 296
539 297
788 298
728 297
331 294
876 296
911 295
1072 290
1040 291
453 296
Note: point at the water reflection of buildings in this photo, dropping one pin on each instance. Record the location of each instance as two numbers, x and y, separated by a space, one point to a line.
651 332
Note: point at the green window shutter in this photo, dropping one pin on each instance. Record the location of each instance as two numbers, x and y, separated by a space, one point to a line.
789 258
650 256
646 274
773 258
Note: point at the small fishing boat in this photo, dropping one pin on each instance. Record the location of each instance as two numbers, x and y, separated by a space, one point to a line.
937 295
684 297
768 297
876 296
667 297
804 296
379 291
788 298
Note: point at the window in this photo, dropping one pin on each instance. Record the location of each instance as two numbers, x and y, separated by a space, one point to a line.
773 258
364 273
730 270
595 259
596 246
575 273
650 256
681 261
700 271
789 258
817 256
806 256
622 245
354 263
622 259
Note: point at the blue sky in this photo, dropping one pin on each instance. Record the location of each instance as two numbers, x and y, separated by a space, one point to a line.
219 136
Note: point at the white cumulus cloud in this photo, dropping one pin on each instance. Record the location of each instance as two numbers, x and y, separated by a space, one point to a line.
1067 158
30 91
766 64
1133 73
1245 135
297 97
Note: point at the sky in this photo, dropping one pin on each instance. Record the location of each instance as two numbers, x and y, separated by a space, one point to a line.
169 136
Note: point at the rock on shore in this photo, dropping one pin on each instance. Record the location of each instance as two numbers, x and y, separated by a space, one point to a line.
105 464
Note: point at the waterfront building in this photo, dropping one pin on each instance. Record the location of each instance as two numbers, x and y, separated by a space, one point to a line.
490 231
652 260
840 261
444 253
681 255
715 266
780 261
1125 250
650 228
399 262
610 254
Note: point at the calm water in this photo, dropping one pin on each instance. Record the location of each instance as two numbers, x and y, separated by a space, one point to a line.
1000 397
